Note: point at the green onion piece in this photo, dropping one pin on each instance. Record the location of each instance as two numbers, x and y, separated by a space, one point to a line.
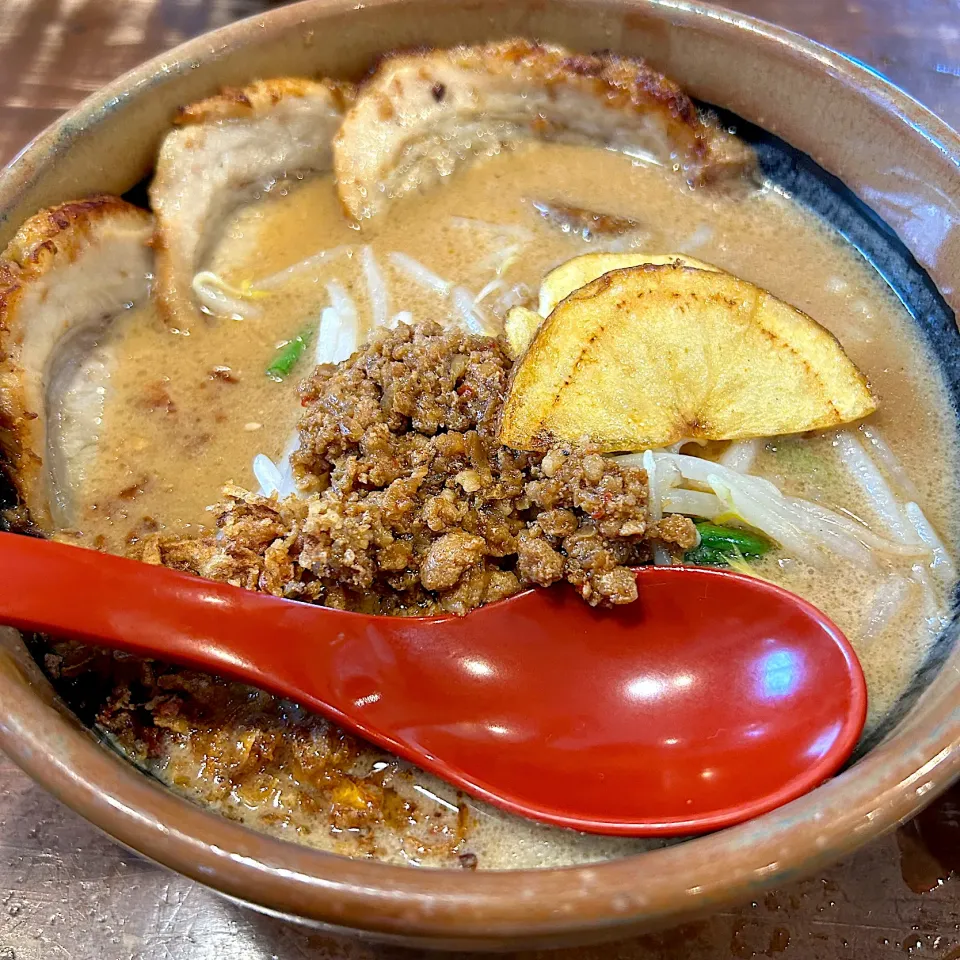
288 355
704 557
719 544
717 537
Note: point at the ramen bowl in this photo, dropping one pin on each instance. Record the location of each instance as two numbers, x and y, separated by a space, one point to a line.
892 154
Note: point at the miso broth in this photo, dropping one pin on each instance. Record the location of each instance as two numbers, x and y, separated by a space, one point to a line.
186 411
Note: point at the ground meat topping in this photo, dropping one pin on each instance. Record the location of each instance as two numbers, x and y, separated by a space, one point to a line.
257 758
415 507
674 528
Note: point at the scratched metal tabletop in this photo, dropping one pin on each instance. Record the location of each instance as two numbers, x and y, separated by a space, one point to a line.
69 893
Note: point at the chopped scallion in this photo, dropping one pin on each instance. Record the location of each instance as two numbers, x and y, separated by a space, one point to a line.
718 545
288 355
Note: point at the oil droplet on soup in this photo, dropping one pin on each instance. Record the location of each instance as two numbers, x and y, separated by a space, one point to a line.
185 414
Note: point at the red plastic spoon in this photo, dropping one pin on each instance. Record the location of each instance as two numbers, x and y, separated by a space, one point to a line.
714 698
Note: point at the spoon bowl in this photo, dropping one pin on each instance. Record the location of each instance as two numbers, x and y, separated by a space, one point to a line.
713 698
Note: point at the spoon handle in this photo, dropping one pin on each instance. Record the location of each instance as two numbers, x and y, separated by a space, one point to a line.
123 604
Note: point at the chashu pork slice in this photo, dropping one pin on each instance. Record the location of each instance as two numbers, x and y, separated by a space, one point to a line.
220 148
68 268
420 113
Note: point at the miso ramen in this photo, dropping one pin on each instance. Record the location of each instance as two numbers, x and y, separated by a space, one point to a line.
150 418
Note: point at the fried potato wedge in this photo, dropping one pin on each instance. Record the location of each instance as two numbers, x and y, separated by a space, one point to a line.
519 329
560 282
521 324
652 355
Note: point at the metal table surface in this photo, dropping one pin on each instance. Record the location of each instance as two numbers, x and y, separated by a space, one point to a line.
69 893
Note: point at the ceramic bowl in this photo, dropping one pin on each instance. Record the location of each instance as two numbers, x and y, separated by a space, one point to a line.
893 154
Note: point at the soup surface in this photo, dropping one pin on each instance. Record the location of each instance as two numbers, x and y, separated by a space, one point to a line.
186 411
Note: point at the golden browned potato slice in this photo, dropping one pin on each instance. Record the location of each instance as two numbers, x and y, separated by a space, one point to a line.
519 329
521 324
560 282
652 355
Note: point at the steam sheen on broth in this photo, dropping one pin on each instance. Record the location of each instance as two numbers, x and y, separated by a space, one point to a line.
184 412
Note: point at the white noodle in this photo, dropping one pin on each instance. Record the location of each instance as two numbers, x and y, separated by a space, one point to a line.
268 475
942 564
839 534
889 461
495 284
668 476
836 524
287 484
337 336
220 298
304 266
755 506
691 468
801 527
376 287
740 455
692 503
653 488
277 478
500 260
871 482
934 620
887 602
465 305
509 256
908 523
514 296
794 527
341 301
699 469
661 557
327 336
347 339
336 341
421 274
